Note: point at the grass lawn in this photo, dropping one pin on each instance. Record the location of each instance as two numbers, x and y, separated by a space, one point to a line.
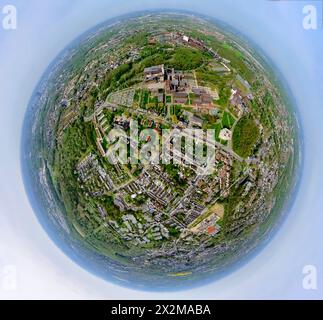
217 127
245 135
144 99
227 120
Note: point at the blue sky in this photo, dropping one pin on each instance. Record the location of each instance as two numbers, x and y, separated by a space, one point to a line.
44 28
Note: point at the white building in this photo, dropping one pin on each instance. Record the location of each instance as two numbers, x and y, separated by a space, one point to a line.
186 38
225 134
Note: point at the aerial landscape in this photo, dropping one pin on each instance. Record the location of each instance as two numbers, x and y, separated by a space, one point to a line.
156 78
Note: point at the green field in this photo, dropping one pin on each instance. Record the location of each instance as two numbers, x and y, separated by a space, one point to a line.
187 59
227 120
245 135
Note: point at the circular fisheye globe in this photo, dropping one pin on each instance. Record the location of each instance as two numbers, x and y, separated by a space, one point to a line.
160 150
